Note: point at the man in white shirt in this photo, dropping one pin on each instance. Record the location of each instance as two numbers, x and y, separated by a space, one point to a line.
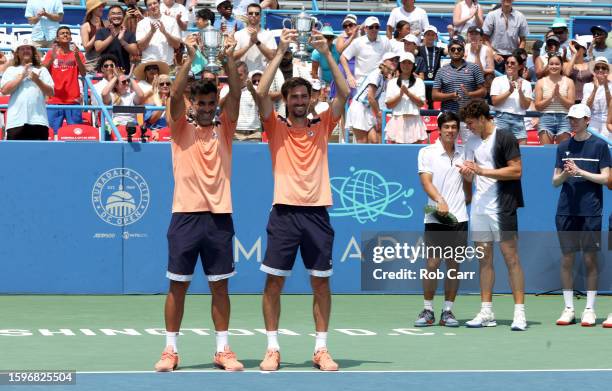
177 11
254 46
368 51
157 35
416 16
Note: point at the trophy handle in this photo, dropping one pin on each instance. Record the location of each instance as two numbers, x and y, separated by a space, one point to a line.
287 20
316 24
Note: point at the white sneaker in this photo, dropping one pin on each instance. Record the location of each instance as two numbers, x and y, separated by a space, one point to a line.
519 323
485 318
588 318
568 316
608 322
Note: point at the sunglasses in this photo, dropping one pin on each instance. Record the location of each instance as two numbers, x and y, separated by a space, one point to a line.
165 84
348 25
599 34
126 81
152 68
253 13
374 27
601 68
561 31
109 65
455 49
513 63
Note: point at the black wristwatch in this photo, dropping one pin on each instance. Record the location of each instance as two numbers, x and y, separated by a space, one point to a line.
257 43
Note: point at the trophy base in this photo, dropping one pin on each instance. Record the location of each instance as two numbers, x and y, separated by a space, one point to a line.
302 56
214 68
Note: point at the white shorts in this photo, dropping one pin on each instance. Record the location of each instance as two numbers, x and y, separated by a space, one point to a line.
360 117
493 227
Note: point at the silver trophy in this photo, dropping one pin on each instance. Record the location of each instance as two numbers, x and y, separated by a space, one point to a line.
304 24
212 39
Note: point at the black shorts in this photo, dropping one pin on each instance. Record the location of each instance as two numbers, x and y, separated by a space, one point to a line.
442 235
306 227
206 234
579 233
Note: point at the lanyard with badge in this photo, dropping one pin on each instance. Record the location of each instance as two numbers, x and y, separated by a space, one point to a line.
430 69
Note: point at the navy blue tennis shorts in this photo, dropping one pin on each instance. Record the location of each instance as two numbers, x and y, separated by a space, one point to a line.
205 234
578 233
306 227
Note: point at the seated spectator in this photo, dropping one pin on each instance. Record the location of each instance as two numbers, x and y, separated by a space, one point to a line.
506 29
92 23
156 119
107 64
118 93
402 29
554 95
227 23
511 96
431 57
177 11
551 47
404 96
597 95
133 15
598 46
116 40
157 35
269 4
147 72
254 46
320 67
45 16
65 63
467 13
416 16
28 83
477 52
576 68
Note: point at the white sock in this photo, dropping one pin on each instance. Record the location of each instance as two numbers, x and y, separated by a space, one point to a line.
448 306
519 308
590 305
221 337
428 304
320 340
487 306
171 337
568 298
273 340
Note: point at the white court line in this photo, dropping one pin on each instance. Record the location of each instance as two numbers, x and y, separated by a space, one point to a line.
360 371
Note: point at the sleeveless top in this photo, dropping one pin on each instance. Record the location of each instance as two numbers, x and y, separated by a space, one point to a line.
547 90
580 78
465 11
470 57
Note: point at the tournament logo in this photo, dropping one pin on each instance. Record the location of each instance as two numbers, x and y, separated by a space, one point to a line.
120 196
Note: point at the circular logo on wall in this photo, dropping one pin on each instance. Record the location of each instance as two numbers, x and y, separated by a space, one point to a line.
120 196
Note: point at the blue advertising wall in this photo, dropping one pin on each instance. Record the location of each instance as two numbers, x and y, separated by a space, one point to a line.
56 236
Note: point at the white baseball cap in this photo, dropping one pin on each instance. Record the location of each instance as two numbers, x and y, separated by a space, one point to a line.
255 72
389 56
579 111
430 28
316 84
411 38
23 41
407 56
371 20
219 2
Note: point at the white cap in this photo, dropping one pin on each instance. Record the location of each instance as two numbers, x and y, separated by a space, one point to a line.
579 111
407 56
316 84
430 28
218 2
350 18
255 72
582 41
598 60
23 41
389 56
371 20
411 38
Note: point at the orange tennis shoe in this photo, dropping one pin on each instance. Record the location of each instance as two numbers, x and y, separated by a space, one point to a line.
271 361
227 360
169 360
322 360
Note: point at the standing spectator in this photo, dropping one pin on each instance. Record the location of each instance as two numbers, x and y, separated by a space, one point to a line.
577 69
582 167
416 16
467 13
350 31
65 63
597 95
554 95
368 51
402 28
598 46
320 67
147 72
254 46
133 15
45 16
405 96
177 11
511 96
28 83
477 52
227 23
116 39
92 23
157 35
431 57
118 93
506 29
550 48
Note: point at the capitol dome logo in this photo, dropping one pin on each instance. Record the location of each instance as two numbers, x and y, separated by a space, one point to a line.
120 196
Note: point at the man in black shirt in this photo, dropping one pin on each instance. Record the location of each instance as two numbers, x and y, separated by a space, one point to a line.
116 39
430 55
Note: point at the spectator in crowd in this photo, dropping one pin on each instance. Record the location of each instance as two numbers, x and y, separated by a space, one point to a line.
65 63
320 67
116 39
227 22
576 68
248 127
254 46
511 96
350 31
416 16
133 15
582 167
551 47
92 23
204 18
559 28
177 11
533 57
401 30
431 58
190 5
554 95
269 4
467 13
368 51
45 16
506 29
477 52
240 6
28 83
147 72
118 93
364 116
411 45
404 96
156 119
598 46
318 102
157 35
597 95
107 64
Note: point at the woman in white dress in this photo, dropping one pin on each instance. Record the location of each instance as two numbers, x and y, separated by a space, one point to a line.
598 95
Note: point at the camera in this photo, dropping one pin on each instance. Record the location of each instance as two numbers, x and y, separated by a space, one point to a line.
130 128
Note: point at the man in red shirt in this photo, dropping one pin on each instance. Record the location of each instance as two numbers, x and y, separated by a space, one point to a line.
65 63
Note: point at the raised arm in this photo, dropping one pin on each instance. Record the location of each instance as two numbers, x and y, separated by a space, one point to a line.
232 99
177 101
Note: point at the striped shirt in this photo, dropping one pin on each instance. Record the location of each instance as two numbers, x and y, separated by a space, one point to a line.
450 78
376 79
